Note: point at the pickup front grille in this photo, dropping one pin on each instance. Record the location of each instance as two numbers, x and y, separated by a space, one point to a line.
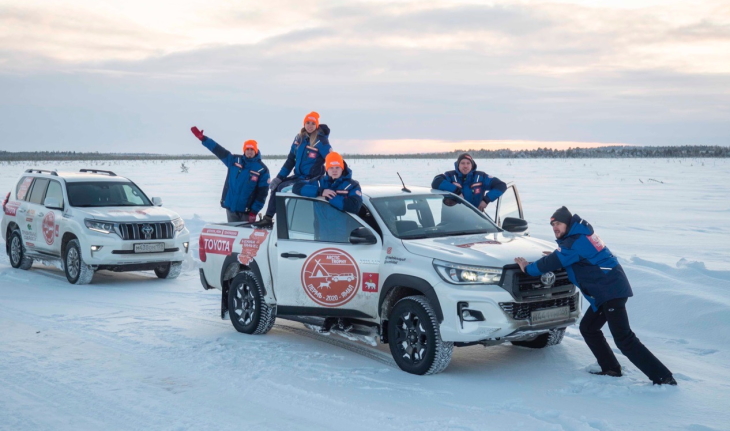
528 283
146 231
522 310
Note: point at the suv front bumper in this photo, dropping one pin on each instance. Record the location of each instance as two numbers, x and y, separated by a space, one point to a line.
114 251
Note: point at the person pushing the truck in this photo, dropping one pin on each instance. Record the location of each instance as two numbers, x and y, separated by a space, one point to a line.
246 185
597 273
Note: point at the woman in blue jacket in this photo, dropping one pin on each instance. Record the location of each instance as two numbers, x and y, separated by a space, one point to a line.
595 270
341 192
247 181
306 158
478 188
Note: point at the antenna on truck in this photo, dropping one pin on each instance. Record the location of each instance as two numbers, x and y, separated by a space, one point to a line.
405 189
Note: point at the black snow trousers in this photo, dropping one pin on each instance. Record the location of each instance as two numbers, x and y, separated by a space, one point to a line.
271 208
614 312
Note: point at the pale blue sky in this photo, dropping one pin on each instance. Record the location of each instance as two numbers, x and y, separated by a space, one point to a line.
395 76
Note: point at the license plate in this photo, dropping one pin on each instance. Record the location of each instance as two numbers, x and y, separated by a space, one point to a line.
155 247
550 314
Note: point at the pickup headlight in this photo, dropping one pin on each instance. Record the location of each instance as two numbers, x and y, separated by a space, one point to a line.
99 226
179 224
464 274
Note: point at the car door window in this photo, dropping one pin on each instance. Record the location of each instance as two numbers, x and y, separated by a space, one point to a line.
38 191
54 191
311 220
509 207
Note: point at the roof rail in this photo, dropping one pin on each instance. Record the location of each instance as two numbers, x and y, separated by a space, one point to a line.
97 171
40 171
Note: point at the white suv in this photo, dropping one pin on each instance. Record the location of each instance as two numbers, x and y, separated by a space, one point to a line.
91 220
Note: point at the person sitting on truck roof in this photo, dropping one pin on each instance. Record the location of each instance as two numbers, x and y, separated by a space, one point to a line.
306 157
340 190
246 186
478 188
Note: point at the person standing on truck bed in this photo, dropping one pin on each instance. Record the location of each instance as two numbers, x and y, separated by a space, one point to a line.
306 157
595 270
340 190
476 187
246 186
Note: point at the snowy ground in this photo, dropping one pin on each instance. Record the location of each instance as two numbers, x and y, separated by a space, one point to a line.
133 352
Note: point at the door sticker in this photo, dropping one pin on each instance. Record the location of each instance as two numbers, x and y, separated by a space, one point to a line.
49 227
251 245
11 208
370 281
330 277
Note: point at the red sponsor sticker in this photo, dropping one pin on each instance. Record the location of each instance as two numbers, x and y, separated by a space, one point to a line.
11 208
251 245
49 227
330 277
232 233
597 242
390 250
23 189
214 245
370 281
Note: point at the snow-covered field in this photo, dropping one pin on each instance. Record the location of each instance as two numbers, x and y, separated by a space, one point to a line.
131 352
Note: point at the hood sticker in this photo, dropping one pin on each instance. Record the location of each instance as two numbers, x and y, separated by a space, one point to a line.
330 277
251 245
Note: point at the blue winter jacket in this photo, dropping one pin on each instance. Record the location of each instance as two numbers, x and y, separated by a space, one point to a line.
307 158
247 182
329 223
590 264
474 186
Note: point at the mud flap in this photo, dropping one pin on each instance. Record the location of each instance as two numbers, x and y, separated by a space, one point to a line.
224 301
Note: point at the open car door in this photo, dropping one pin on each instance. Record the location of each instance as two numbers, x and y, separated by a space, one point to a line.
508 212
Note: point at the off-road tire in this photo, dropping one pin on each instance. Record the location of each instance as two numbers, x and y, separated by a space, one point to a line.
415 338
169 270
77 272
551 338
16 252
247 307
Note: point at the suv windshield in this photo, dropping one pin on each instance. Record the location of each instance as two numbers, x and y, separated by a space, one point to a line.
429 216
106 194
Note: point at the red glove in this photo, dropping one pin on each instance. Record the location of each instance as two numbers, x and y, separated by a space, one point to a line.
251 217
198 133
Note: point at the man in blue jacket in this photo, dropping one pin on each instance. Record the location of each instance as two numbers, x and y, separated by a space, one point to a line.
341 192
595 270
247 180
476 187
306 158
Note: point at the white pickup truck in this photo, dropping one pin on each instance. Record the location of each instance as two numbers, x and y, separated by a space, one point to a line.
422 269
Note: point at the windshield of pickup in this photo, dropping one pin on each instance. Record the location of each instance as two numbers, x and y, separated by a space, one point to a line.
430 216
106 194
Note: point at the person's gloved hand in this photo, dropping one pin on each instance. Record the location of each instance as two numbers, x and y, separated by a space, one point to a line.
251 217
274 183
328 194
198 133
483 204
457 192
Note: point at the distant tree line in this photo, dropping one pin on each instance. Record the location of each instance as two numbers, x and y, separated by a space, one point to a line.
607 152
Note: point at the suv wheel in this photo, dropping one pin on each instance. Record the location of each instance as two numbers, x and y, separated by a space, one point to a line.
77 272
248 311
550 338
169 270
16 252
415 338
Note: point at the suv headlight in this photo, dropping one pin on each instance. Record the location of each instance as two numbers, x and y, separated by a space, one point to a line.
464 274
179 224
99 226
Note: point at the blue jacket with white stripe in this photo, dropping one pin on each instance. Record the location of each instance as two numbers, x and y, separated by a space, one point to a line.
247 182
474 186
329 224
307 158
590 264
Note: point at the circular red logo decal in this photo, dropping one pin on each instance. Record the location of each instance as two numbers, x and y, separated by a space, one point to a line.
330 277
49 228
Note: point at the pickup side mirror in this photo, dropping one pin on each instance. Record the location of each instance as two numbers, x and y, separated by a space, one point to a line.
52 203
157 202
362 235
514 225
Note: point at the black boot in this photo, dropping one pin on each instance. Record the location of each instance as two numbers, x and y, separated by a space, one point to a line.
267 221
668 380
610 373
